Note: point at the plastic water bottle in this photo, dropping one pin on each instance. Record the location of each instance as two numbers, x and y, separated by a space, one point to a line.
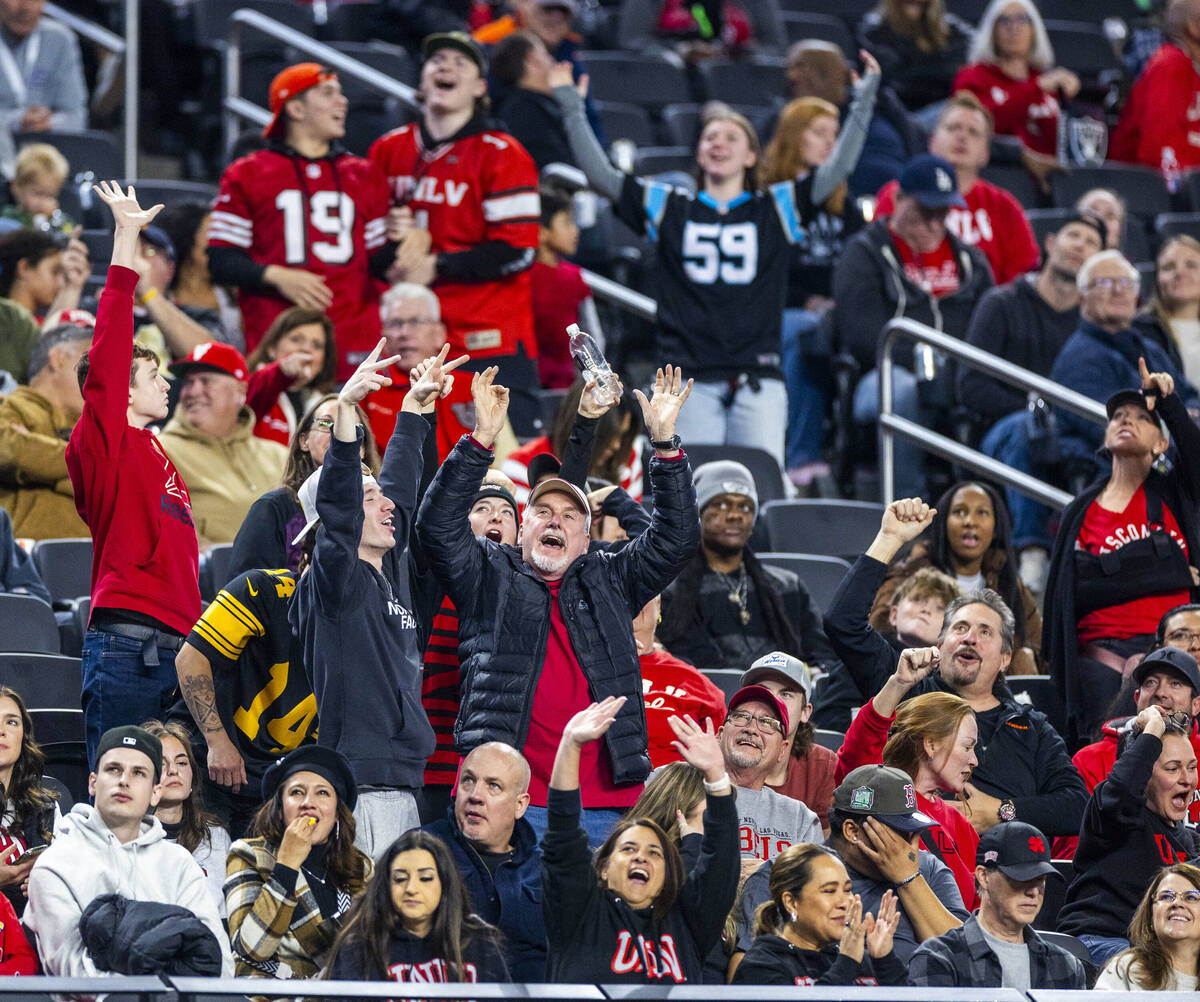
592 364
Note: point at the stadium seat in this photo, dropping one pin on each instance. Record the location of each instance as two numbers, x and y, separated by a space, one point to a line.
60 734
99 245
728 680
754 83
826 27
1191 185
211 20
219 557
1143 189
27 624
1069 943
1170 223
652 160
1056 895
1040 692
1084 48
768 479
821 575
45 681
638 79
626 121
366 124
87 150
65 566
851 11
1043 222
1017 181
153 190
256 71
681 124
1135 242
390 60
1146 271
829 739
822 527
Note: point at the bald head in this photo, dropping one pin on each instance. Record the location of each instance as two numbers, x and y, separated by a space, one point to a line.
493 792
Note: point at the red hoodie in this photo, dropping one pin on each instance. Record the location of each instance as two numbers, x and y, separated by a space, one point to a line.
145 556
16 955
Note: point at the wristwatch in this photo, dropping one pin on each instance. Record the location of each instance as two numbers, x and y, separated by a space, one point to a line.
1007 810
670 445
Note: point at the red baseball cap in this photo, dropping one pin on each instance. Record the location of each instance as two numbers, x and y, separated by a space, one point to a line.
213 356
290 82
760 694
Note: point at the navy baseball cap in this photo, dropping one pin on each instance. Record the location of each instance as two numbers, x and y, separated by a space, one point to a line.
1138 397
931 181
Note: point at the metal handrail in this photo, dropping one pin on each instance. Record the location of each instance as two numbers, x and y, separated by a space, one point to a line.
620 295
88 29
236 108
891 425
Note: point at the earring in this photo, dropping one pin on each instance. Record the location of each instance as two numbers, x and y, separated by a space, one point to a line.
793 916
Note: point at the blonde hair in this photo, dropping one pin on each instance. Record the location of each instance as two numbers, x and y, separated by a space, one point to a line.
38 159
983 48
784 157
677 786
934 716
927 582
1157 306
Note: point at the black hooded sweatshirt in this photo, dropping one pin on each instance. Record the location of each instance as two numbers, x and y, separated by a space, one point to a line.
772 960
413 959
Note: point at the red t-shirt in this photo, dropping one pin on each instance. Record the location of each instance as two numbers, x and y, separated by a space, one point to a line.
455 413
993 221
672 687
561 692
1104 531
936 272
1160 123
557 293
441 694
516 468
1019 107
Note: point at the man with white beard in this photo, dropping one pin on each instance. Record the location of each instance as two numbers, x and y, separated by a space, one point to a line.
546 627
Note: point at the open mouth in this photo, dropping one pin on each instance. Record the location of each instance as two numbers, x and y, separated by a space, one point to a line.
552 541
966 655
639 876
748 741
1180 802
444 85
495 535
970 539
389 523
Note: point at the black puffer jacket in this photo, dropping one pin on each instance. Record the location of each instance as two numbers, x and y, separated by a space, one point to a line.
148 937
504 607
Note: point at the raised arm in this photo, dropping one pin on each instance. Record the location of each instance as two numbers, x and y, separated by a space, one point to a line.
840 164
585 148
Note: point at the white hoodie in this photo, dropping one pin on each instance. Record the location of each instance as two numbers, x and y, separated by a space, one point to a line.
86 860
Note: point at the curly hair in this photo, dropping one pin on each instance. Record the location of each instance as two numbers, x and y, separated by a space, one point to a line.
25 795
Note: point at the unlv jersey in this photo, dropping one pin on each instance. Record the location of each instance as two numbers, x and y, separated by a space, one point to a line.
473 189
326 216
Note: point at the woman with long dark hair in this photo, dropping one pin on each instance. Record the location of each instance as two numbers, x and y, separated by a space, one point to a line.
275 519
1164 937
292 366
182 810
970 538
289 883
413 922
28 808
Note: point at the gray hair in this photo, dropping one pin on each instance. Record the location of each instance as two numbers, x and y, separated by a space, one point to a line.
992 599
61 334
1083 279
983 48
410 290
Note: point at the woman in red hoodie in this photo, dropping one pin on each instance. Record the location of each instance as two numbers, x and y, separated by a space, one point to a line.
932 738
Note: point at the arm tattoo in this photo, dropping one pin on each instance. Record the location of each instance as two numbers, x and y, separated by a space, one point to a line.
200 697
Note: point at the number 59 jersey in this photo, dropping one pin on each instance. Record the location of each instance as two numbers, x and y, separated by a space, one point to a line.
325 216
261 691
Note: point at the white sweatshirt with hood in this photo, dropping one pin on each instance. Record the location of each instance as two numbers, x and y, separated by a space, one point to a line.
86 860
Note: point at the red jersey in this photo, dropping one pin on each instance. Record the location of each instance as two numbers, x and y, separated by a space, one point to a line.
1104 531
993 221
473 189
1160 124
1019 107
516 468
557 293
145 556
671 687
936 271
326 216
455 413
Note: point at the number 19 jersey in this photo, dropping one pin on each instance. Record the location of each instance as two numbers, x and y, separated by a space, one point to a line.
326 216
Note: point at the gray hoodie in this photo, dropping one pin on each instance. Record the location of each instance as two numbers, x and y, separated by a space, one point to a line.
84 861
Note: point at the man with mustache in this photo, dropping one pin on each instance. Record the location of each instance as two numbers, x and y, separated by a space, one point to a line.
1024 771
545 627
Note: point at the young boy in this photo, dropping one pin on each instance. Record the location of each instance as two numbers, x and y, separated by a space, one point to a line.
560 295
41 171
145 591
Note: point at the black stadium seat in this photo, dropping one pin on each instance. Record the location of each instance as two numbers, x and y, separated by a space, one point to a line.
1170 223
829 739
65 566
822 527
27 624
768 480
1040 692
60 734
45 681
822 575
754 83
1056 895
626 121
652 160
219 557
728 680
825 27
1017 181
639 79
1143 189
87 150
1083 47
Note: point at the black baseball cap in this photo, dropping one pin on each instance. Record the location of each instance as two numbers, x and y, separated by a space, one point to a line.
492 490
137 738
932 182
1017 850
884 793
455 40
1123 397
544 464
1088 219
330 765
1171 659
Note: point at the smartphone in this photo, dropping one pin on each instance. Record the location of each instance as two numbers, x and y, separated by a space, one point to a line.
29 854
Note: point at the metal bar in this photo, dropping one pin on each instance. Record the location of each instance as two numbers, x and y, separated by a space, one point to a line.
626 298
131 57
235 108
88 29
956 452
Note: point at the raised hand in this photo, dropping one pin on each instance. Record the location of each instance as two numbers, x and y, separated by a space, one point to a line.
304 288
297 842
563 75
298 365
590 724
661 410
891 853
915 664
855 932
431 378
698 746
883 928
590 407
127 214
1151 721
1155 384
491 405
906 519
369 376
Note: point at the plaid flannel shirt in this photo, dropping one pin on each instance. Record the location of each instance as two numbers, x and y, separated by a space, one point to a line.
962 958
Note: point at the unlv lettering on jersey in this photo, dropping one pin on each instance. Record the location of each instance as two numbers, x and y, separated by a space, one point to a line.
628 955
431 190
430 972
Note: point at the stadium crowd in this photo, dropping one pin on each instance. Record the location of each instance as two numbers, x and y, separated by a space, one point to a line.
494 683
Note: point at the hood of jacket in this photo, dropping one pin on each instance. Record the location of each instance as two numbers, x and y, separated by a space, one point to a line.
181 427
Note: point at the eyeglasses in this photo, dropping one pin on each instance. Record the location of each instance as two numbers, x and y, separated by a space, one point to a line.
1112 284
768 725
1014 20
1182 638
411 321
741 507
1169 897
323 424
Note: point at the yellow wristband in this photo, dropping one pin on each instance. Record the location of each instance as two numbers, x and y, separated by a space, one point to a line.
148 296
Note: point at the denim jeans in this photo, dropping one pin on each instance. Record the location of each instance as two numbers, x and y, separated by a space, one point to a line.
909 458
753 418
119 687
806 393
1008 441
1102 948
598 822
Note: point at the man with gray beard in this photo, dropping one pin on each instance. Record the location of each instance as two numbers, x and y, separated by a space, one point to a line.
545 627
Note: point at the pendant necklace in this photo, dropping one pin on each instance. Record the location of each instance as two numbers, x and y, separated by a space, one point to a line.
738 593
